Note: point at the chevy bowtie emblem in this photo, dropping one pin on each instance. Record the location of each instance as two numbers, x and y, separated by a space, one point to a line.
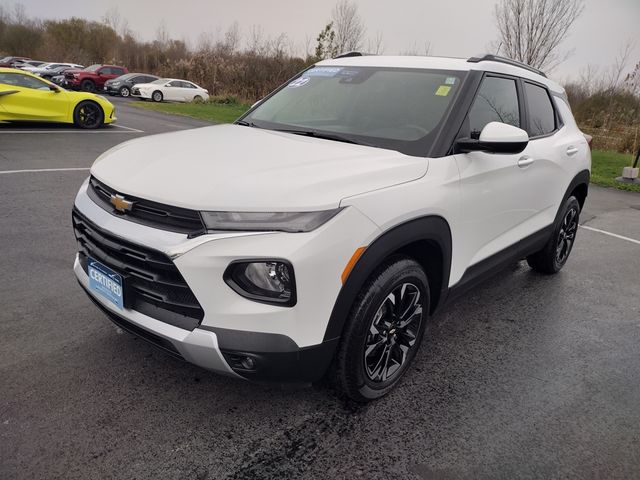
120 204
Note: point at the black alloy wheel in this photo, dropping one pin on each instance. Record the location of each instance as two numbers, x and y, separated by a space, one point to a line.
567 235
88 115
393 333
556 251
383 331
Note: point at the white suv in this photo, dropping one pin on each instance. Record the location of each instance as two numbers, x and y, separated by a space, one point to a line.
322 230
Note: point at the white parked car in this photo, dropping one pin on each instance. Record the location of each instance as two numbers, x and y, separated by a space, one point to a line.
170 89
321 231
46 68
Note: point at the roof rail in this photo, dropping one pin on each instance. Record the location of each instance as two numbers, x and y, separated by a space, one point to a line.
495 58
352 53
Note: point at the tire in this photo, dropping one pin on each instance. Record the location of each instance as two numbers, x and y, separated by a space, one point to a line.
124 92
157 96
555 253
88 86
88 115
197 99
373 336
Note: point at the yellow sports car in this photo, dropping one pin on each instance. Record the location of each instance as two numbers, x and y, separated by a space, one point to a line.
27 97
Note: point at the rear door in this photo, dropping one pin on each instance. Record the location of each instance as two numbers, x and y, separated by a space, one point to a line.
554 148
498 191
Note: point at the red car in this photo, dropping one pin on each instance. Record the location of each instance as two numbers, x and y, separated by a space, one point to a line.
92 78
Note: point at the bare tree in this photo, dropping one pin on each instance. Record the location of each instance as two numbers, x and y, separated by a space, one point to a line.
375 45
348 26
616 72
531 31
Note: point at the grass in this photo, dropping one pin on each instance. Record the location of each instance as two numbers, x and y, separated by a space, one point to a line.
606 166
214 111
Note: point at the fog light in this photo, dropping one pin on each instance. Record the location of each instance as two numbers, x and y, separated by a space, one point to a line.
268 281
248 363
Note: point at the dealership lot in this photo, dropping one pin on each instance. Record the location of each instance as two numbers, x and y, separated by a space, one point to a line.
528 376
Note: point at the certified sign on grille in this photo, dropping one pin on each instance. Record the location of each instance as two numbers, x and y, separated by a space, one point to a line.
106 282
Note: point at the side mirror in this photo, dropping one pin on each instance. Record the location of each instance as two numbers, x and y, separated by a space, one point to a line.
496 137
257 103
54 88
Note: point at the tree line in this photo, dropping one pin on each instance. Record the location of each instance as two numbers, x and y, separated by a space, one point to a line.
606 101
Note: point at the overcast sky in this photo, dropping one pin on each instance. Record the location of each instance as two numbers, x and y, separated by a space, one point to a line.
453 27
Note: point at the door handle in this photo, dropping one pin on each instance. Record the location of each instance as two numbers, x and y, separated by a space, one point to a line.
572 150
525 161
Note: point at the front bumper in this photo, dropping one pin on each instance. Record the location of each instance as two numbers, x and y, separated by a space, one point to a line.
197 346
111 90
286 343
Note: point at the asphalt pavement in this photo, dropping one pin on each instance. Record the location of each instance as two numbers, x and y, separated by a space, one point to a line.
528 376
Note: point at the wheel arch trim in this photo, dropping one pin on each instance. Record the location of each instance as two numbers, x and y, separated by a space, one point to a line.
433 229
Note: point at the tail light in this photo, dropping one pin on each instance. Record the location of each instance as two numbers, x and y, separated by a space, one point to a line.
589 140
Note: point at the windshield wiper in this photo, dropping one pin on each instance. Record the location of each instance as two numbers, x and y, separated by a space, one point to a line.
247 124
327 136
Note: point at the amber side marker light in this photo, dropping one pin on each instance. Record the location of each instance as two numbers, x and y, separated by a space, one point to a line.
351 263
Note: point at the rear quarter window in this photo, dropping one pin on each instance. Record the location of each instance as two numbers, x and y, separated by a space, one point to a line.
542 117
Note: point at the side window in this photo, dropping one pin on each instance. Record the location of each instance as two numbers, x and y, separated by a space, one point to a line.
104 71
175 83
542 118
496 101
19 80
117 71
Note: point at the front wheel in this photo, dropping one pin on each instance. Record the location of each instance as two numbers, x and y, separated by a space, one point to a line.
125 92
157 96
556 252
88 115
87 86
383 332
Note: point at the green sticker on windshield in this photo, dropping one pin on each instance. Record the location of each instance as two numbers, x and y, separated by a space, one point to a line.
443 90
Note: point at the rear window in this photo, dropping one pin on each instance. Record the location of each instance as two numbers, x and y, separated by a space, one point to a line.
542 118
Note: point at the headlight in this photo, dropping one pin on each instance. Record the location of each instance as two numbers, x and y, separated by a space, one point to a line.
267 221
266 281
114 84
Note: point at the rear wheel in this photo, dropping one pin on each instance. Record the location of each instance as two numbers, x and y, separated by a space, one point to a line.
157 96
383 332
125 92
88 115
88 86
556 252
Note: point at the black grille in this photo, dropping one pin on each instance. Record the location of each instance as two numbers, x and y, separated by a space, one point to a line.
146 212
152 283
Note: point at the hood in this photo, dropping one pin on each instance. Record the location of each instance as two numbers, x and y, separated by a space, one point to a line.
238 168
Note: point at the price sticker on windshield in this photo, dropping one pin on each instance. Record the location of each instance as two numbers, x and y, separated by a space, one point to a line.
443 90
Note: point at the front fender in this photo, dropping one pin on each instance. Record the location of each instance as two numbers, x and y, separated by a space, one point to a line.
433 229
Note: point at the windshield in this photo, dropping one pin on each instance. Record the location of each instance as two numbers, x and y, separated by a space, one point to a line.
92 68
394 108
161 80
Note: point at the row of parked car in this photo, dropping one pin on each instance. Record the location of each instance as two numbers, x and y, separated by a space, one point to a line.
110 79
